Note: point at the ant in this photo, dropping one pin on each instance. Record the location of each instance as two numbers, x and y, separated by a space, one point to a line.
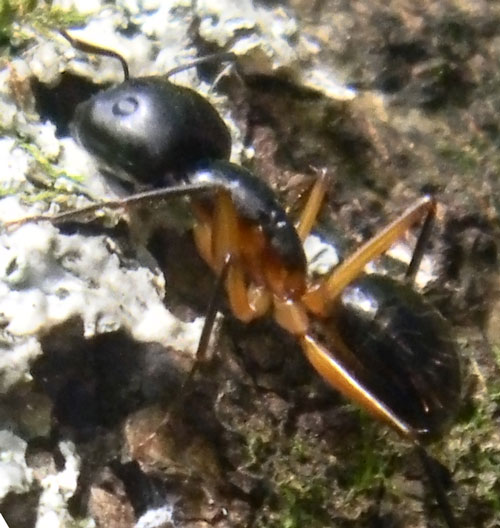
371 337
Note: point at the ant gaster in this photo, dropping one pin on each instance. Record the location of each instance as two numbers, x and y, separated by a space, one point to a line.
372 338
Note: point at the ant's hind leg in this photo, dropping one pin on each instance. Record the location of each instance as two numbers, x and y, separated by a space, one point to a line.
344 380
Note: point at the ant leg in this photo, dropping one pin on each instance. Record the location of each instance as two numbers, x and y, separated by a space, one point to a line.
226 242
225 71
143 197
87 47
341 378
338 376
312 207
422 240
218 236
216 233
200 355
318 298
212 309
436 485
225 239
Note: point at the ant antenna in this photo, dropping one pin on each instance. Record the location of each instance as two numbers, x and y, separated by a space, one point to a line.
223 56
87 47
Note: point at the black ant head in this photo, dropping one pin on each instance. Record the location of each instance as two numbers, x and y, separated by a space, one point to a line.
146 127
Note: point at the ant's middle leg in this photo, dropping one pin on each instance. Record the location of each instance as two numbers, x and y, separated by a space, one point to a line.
319 298
313 205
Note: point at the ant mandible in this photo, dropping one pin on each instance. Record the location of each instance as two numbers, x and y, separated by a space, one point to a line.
372 338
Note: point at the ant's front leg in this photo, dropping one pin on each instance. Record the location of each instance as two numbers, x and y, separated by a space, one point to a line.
134 199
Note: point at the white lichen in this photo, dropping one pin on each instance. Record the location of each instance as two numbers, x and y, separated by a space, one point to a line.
57 488
156 518
15 476
48 278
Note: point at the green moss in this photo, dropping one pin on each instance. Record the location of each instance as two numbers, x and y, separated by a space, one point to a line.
369 461
48 182
302 504
55 18
309 485
40 15
10 11
47 167
299 504
496 354
472 450
464 160
299 449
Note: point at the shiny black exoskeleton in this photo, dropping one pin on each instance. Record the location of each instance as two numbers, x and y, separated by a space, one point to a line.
402 350
396 357
256 203
146 128
154 132
150 131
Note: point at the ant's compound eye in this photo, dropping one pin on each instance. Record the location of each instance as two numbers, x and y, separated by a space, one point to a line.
126 106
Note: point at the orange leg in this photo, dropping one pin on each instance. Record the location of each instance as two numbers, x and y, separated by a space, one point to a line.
223 235
339 368
332 367
338 376
318 298
247 302
237 292
225 232
312 207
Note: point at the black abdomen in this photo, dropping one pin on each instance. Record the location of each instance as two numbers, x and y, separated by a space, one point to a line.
403 349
